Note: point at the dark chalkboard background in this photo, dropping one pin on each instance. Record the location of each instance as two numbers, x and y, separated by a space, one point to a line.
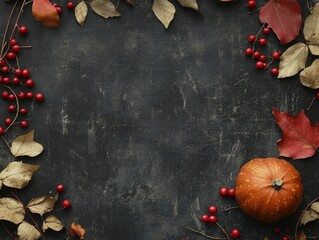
143 125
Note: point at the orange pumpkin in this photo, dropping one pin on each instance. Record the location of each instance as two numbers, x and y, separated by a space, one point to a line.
268 189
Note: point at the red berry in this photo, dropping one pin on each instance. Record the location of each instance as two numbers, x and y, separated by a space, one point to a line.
29 95
1 79
5 95
8 121
317 96
13 42
262 58
235 233
285 238
1 131
212 209
262 41
24 123
251 38
12 108
231 192
23 30
6 81
2 62
277 230
11 97
264 65
275 55
70 5
266 31
5 69
66 204
16 48
23 111
212 219
18 72
11 55
21 95
55 4
29 83
251 4
274 71
249 52
205 218
59 10
25 73
60 188
39 97
256 55
223 192
16 81
259 65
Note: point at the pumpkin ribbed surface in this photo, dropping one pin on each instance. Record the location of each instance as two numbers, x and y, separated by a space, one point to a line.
268 189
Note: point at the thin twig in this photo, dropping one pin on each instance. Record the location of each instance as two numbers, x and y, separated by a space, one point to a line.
223 230
5 141
204 234
230 208
17 19
7 230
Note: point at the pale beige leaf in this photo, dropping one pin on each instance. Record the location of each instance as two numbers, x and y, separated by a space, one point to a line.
42 205
309 77
25 146
189 4
314 49
301 236
53 223
311 26
27 232
104 8
293 60
315 207
11 210
164 11
308 216
81 11
18 174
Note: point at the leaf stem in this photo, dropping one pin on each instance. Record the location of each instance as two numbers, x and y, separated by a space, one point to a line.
230 208
204 234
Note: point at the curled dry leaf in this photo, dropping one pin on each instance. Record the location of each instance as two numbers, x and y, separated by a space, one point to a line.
27 232
311 26
104 8
18 174
77 230
11 210
81 11
53 223
293 60
308 216
43 11
309 77
164 11
189 4
25 146
42 205
315 207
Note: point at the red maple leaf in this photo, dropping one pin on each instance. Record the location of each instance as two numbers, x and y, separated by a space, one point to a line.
300 138
283 17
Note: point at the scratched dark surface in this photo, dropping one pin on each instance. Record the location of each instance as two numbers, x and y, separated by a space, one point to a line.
143 125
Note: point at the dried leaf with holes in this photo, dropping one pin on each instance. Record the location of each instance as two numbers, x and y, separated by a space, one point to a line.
311 26
81 11
18 174
11 210
25 146
189 4
77 230
104 8
164 11
27 232
309 77
42 205
308 216
293 60
43 11
53 223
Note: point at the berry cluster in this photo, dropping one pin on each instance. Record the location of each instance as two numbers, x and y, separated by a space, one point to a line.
59 9
260 39
65 203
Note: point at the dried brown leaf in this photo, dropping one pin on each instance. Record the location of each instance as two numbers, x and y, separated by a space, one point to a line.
315 207
27 232
18 174
81 11
25 146
104 8
164 11
42 205
308 216
293 60
311 26
11 210
77 230
189 4
301 236
309 77
53 223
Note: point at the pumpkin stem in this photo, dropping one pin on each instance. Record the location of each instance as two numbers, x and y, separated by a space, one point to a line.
276 184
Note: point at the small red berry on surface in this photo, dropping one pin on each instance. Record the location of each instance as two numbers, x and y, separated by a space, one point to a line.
256 55
60 188
6 81
5 69
205 218
262 58
212 209
16 81
1 79
12 108
223 192
70 5
266 31
262 41
11 97
24 123
285 238
5 95
259 65
29 95
212 219
275 55
277 230
59 9
23 111
235 233
25 73
13 42
2 62
2 131
251 38
231 192
8 121
18 72
39 97
264 65
248 51
21 95
23 30
11 55
251 4
274 71
16 48
29 83
55 4
66 204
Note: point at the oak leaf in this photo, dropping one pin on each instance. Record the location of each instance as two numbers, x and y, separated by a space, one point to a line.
309 77
104 8
81 11
11 210
27 232
17 174
293 60
42 205
77 230
164 11
311 26
189 4
283 17
53 223
300 138
43 11
25 146
308 216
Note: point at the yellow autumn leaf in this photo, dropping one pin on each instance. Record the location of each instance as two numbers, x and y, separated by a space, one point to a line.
164 11
81 11
25 146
